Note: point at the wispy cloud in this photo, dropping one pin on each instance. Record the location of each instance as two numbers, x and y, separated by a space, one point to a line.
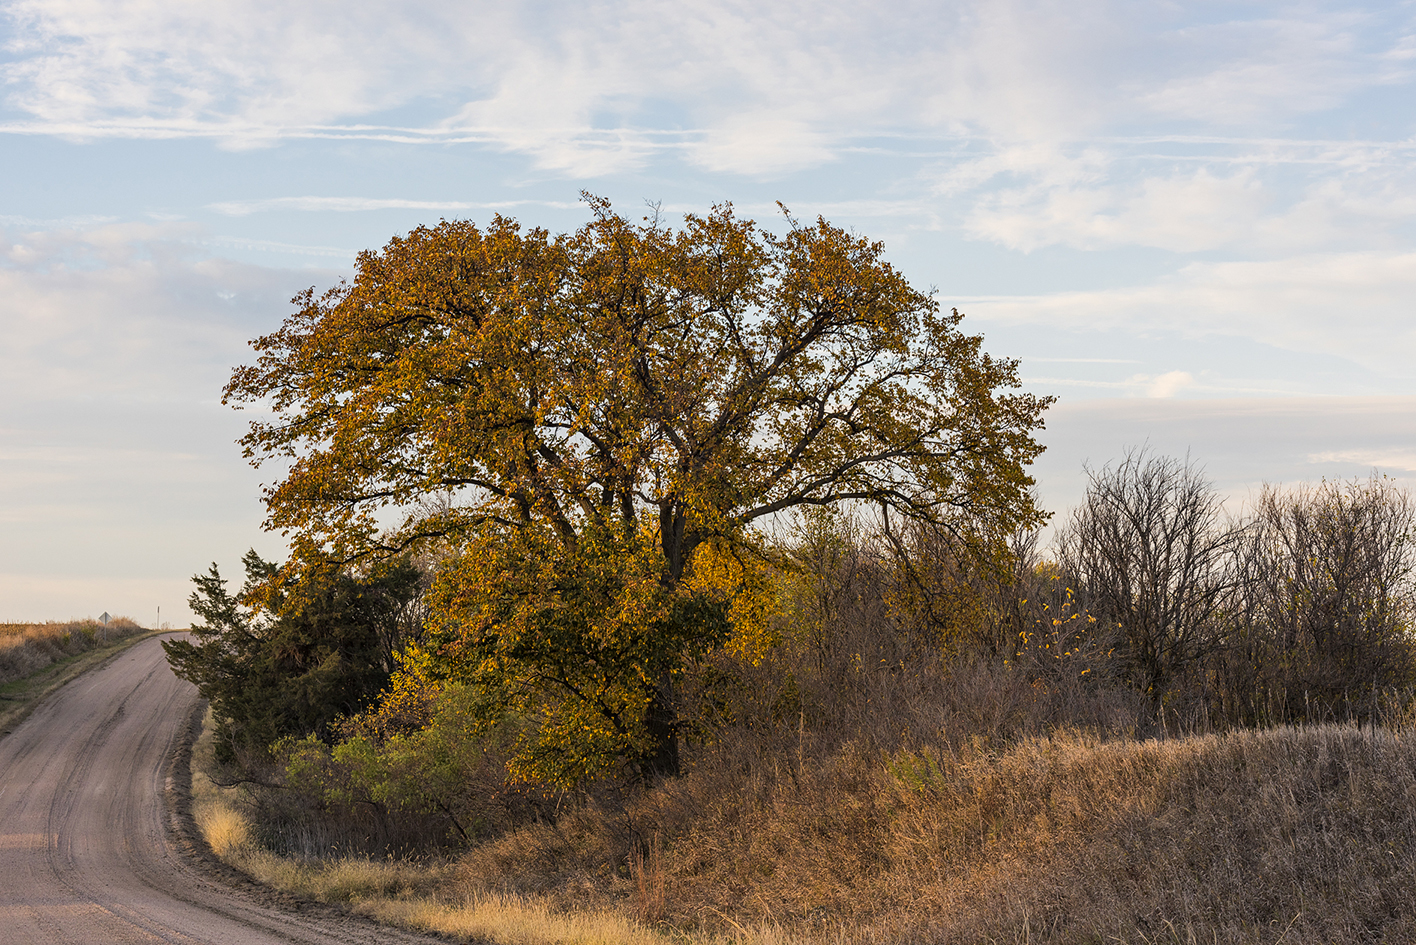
1030 358
1089 124
1245 199
1353 305
118 340
238 208
1178 171
273 246
1241 443
750 88
127 313
1404 460
1166 386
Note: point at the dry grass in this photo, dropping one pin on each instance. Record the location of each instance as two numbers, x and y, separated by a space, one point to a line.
24 646
1300 835
425 896
1291 835
859 787
27 648
515 920
865 783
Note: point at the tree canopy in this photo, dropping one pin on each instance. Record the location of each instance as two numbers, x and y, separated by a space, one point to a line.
581 416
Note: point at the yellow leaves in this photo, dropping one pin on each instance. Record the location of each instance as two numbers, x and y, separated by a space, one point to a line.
748 584
594 374
577 638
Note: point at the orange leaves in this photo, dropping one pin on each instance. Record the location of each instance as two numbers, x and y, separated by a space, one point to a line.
716 374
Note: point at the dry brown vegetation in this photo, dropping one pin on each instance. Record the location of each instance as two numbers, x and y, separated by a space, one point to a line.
854 798
1231 838
947 752
1294 835
27 648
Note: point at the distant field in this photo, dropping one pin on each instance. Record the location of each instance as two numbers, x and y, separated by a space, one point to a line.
27 648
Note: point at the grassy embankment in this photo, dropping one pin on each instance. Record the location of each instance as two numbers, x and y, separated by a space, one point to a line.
426 896
1279 835
38 658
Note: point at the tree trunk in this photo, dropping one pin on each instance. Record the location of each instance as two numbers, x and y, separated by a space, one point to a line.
661 760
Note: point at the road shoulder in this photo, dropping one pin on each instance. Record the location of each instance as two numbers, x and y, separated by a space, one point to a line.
185 838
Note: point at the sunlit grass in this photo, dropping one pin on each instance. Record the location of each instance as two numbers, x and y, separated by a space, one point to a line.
27 648
396 892
1258 836
517 920
422 896
227 832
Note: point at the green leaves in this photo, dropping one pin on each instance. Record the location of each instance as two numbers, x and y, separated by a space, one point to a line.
288 657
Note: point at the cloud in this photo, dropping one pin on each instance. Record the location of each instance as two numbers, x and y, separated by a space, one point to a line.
1026 124
1244 72
1242 203
274 246
1398 460
118 467
743 87
763 144
1184 213
251 67
311 204
1081 360
1240 443
1354 305
1166 385
126 310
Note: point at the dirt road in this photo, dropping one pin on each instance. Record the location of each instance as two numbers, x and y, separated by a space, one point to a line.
85 856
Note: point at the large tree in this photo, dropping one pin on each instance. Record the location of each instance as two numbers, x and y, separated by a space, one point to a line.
582 414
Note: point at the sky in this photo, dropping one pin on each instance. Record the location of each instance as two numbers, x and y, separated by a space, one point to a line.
1194 223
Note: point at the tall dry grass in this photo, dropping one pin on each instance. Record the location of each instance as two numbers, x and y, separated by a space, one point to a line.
27 648
1299 835
427 895
1291 835
865 788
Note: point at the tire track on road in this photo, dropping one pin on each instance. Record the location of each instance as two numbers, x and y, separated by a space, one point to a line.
91 853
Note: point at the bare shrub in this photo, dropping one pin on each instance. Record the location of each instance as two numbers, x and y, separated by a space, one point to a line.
1150 551
871 779
1326 605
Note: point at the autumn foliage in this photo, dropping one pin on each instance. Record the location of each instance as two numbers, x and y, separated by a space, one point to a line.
569 419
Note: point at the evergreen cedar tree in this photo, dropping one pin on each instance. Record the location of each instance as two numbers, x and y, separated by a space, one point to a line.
577 419
282 658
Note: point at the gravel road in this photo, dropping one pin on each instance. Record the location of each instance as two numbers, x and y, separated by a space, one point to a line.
90 849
